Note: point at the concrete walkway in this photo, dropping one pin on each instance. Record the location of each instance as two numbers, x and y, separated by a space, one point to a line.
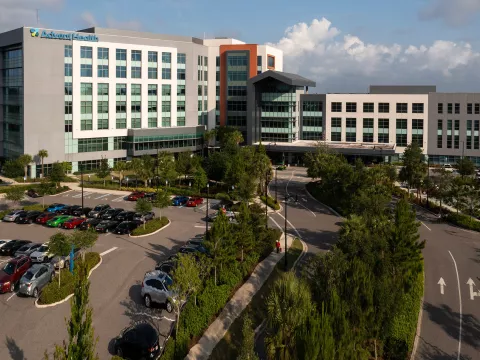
217 330
9 181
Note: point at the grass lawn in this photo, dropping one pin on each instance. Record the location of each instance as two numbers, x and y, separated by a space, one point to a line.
228 347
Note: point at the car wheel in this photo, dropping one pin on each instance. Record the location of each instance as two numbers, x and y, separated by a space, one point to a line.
35 293
148 301
169 307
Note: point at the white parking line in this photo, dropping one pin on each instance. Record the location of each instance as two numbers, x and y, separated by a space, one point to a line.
200 226
425 225
12 296
80 195
460 306
118 199
108 251
203 207
101 196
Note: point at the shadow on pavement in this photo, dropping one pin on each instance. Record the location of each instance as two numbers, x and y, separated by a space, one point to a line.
158 252
445 317
427 351
320 239
477 257
15 352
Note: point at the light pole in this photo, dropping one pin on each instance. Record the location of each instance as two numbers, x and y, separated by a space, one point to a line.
286 205
127 181
206 219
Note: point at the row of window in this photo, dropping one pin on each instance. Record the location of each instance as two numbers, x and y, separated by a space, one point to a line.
369 107
453 134
136 123
86 52
121 89
451 107
383 138
382 123
86 70
121 107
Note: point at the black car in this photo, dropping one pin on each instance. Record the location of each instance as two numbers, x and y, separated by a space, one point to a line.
125 216
28 218
139 341
79 211
90 223
67 210
126 227
12 246
196 242
143 217
106 226
166 266
98 211
110 214
32 193
188 249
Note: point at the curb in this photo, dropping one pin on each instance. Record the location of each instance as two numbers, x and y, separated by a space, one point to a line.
328 207
153 233
419 322
39 306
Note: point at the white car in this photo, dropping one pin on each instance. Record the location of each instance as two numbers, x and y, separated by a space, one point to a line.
41 254
3 242
448 167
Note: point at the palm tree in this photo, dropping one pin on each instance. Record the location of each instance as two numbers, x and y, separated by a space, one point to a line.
288 307
25 160
42 154
120 167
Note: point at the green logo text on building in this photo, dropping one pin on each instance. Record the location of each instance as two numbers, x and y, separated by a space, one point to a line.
69 36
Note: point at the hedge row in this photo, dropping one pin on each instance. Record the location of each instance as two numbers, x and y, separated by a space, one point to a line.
5 189
53 293
150 226
194 320
171 189
464 221
271 202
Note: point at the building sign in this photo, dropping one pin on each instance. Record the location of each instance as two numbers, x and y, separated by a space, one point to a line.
68 36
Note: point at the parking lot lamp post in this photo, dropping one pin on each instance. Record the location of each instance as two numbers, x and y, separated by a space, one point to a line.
127 181
206 220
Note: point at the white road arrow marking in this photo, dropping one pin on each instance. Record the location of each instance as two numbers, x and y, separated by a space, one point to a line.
442 284
472 293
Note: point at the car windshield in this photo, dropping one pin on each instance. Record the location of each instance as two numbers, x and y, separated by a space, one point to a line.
98 208
43 248
9 268
167 282
28 275
12 213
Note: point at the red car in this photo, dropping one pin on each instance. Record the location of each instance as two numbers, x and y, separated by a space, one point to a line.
73 223
194 201
42 219
12 271
136 195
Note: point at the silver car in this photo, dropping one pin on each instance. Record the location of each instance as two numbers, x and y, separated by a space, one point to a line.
27 249
156 288
41 254
12 216
35 279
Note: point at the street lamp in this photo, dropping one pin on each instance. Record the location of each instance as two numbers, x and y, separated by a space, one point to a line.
127 181
206 220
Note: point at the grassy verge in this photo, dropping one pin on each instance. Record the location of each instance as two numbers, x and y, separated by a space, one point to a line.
229 346
150 226
53 293
464 221
271 203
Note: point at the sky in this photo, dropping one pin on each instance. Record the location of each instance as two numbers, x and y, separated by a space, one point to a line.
343 45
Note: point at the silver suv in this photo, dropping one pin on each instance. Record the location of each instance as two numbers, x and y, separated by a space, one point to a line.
156 288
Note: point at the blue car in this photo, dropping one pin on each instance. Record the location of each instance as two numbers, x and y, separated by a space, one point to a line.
179 200
55 207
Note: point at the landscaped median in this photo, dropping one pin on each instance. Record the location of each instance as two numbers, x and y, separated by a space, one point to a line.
151 227
54 293
271 202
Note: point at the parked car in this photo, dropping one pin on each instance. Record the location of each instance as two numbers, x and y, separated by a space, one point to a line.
60 262
12 272
73 223
125 216
139 341
27 249
134 196
58 220
106 226
12 246
196 242
12 216
32 193
29 217
98 210
110 214
43 218
35 279
156 289
448 167
188 249
166 266
90 223
55 207
126 227
142 218
41 254
150 196
194 201
3 242
179 200
67 210
229 214
81 211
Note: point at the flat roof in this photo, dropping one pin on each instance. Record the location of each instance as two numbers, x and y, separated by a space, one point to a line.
334 145
287 78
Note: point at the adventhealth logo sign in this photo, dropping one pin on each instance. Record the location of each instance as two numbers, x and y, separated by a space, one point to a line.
69 36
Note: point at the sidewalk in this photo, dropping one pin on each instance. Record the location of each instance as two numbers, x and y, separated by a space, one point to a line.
9 181
217 330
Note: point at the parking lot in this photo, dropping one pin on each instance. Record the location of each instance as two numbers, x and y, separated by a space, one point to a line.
115 285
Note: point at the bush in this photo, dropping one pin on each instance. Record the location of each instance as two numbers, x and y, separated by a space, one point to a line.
222 196
150 226
464 221
266 241
270 202
12 169
53 293
35 207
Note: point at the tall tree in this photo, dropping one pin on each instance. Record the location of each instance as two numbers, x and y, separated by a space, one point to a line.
200 179
120 167
162 200
247 349
84 239
42 154
103 170
136 165
469 200
245 235
166 167
12 169
25 160
59 245
143 206
414 167
465 167
57 173
442 184
15 194
183 163
208 137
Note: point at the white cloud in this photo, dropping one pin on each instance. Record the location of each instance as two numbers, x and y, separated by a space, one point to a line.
88 19
348 64
17 13
452 12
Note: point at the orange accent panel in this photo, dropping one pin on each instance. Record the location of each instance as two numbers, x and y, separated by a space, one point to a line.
252 48
271 67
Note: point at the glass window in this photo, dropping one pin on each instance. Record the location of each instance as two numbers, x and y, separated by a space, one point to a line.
136 106
68 88
121 123
152 122
205 75
166 122
102 53
351 107
383 107
152 56
152 90
368 108
401 132
336 107
68 51
217 61
417 131
136 55
470 108
440 108
180 90
86 70
121 107
449 108
68 107
86 124
477 108
166 74
68 70
166 90
270 61
86 88
199 92
383 131
457 108
205 61
311 105
152 73
136 89
102 89
259 61
85 52
152 106
102 107
180 105
166 57
181 121
402 108
121 72
166 106
85 107
181 58
439 133
102 71
136 72
199 60
121 54
121 89
180 74
417 108
102 124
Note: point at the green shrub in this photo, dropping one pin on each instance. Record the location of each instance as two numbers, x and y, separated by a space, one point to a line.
464 221
266 241
5 189
271 202
222 196
150 226
53 293
35 207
